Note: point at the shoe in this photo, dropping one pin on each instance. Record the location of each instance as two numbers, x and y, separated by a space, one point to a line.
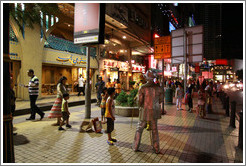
110 142
68 126
42 116
177 109
14 133
30 119
60 128
114 140
190 111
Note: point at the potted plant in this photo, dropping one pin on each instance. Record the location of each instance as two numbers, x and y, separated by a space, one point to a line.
126 104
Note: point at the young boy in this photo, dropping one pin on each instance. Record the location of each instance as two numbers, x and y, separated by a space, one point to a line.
65 112
110 115
179 97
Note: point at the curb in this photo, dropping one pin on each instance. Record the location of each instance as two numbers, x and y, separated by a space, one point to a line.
48 107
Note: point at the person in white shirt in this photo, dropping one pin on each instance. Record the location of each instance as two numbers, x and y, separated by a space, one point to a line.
81 83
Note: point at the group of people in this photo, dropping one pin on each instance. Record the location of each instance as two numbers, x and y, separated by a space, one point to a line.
150 96
100 85
206 90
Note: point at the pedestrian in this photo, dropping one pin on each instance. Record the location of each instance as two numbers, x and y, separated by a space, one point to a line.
33 88
209 94
81 85
110 115
108 84
56 108
12 98
65 112
103 104
99 85
179 94
117 88
201 103
218 89
189 95
149 98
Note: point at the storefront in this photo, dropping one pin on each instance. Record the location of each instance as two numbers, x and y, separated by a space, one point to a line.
137 71
114 70
57 64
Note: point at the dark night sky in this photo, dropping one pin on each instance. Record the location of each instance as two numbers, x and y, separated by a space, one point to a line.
232 31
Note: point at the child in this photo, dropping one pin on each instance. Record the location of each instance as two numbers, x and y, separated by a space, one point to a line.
103 104
110 115
179 97
201 103
65 112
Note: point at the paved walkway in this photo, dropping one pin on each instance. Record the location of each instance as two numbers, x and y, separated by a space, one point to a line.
184 138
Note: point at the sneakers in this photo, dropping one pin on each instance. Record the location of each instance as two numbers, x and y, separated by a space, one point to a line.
177 109
60 128
110 142
68 126
42 116
114 139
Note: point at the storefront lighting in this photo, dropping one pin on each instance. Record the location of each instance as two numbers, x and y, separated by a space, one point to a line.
121 51
125 50
133 61
124 37
130 74
110 52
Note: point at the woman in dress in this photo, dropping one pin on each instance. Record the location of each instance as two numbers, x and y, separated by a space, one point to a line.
56 109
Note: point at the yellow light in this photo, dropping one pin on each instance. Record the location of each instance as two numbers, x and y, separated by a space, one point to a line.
130 74
124 37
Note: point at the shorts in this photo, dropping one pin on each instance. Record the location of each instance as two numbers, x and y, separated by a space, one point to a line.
65 116
103 111
110 125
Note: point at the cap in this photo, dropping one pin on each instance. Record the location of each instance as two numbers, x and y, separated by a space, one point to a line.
30 70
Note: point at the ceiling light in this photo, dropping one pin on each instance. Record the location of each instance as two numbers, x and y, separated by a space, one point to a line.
68 25
121 51
124 37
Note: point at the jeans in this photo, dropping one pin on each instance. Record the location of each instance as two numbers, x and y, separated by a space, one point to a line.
34 107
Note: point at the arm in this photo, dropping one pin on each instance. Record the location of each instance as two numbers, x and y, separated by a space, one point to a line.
110 110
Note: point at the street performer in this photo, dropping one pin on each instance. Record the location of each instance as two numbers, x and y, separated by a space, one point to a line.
149 98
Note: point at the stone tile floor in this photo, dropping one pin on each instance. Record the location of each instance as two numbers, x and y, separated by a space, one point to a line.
184 138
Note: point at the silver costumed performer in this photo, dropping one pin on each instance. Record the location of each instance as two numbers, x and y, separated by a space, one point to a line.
149 98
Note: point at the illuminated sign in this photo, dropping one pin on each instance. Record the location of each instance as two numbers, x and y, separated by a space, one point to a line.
171 27
87 25
152 61
71 60
162 47
123 66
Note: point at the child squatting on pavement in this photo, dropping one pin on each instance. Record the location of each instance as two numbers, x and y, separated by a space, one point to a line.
65 112
110 115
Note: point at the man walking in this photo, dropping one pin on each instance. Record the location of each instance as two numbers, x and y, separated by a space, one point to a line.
149 98
99 85
33 95
81 86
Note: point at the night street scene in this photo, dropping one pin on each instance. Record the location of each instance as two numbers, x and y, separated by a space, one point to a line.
123 82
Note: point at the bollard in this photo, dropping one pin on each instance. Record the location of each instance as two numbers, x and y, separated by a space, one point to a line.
233 114
224 101
227 105
240 137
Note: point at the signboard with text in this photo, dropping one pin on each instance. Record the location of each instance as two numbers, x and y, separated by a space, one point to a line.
162 47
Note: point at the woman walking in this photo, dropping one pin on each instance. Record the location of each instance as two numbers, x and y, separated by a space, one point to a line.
56 109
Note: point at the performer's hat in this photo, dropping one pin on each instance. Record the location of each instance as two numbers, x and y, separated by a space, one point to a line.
150 75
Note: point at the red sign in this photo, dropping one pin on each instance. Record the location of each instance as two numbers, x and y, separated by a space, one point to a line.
197 69
221 62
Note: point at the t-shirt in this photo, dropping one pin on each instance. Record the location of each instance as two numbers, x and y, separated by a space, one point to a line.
81 82
33 90
64 105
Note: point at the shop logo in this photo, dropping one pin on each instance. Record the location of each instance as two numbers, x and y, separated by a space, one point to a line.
71 60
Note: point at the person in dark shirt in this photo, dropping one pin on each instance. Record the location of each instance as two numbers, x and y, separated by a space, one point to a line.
99 85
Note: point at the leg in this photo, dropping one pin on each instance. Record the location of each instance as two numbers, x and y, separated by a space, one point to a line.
83 90
155 137
32 104
79 90
139 131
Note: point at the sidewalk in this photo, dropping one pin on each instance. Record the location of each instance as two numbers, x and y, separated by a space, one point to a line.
46 103
184 138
